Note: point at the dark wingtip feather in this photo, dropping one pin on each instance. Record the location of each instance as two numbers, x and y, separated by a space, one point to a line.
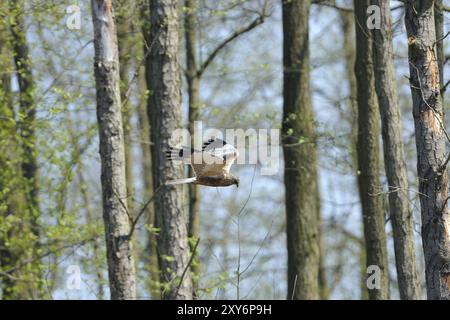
212 140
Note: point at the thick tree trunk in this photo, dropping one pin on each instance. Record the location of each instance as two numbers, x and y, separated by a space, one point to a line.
164 109
368 154
394 156
300 176
430 142
115 213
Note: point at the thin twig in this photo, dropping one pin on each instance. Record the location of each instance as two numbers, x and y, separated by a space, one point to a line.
446 35
259 20
142 211
258 251
194 250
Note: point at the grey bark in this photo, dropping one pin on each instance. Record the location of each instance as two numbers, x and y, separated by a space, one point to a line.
394 156
430 142
115 213
300 176
164 109
368 154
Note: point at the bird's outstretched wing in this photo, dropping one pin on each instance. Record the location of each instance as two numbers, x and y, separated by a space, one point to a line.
188 156
216 157
222 156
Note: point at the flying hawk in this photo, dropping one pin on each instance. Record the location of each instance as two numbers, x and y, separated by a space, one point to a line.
211 165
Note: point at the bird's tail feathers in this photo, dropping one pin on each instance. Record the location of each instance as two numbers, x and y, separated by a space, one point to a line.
181 181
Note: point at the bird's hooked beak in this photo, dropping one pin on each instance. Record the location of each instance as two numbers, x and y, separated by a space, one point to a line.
237 183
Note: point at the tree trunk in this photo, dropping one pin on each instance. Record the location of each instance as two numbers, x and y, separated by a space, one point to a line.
27 109
430 142
8 152
300 174
147 148
26 127
394 156
125 50
348 22
368 155
114 191
147 177
164 109
193 81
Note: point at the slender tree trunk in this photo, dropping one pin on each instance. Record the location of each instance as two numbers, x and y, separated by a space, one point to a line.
147 158
27 109
147 177
300 176
7 153
368 154
27 127
164 109
125 50
430 142
115 213
348 22
193 81
394 156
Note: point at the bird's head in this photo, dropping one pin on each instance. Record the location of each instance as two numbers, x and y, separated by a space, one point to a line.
236 181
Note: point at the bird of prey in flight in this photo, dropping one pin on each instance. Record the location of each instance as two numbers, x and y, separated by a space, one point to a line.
211 165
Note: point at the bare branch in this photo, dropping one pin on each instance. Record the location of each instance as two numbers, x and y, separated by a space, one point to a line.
259 20
331 4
